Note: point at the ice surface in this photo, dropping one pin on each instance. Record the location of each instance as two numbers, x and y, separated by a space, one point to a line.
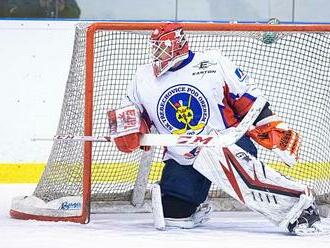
225 230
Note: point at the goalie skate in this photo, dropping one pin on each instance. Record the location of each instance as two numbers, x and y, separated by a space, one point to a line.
201 216
317 229
309 224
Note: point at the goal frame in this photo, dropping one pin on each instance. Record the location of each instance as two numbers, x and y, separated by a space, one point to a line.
89 72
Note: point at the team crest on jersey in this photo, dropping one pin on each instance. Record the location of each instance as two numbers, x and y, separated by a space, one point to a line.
183 109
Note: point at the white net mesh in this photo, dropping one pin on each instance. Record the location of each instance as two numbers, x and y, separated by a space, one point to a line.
291 68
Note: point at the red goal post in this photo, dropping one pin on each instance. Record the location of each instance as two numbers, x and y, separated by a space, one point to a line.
104 60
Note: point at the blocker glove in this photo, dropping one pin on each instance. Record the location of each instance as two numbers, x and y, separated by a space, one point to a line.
128 126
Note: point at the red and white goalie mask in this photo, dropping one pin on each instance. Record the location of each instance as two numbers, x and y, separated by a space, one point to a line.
169 46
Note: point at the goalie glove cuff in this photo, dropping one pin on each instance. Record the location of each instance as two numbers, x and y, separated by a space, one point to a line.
273 134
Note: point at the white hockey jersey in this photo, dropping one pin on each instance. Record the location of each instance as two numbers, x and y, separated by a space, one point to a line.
207 91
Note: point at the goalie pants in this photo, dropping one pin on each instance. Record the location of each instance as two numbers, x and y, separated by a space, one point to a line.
185 183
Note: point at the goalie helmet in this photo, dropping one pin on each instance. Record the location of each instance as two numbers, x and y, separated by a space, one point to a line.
169 46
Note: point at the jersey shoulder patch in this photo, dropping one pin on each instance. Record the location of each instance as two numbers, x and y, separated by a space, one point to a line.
241 75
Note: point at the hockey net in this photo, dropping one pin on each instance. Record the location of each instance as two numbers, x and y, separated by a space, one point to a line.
290 64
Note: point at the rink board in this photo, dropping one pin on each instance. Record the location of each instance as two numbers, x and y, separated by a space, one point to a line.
31 172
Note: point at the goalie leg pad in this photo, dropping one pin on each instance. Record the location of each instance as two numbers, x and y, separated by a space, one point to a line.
157 208
260 188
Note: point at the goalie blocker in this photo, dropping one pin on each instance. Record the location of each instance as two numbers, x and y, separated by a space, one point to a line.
128 126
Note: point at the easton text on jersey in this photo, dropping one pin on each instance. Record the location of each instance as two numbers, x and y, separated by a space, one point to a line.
202 66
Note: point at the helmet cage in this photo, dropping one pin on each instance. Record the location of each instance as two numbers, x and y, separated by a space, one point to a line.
167 50
162 50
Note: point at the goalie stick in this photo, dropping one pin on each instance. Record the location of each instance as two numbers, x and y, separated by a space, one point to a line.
225 138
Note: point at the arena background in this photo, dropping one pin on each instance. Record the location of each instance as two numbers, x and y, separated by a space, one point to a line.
36 56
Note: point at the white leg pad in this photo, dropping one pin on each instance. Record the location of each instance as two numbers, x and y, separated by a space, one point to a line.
246 179
157 208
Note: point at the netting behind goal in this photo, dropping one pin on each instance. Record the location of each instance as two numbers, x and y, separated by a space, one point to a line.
292 68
